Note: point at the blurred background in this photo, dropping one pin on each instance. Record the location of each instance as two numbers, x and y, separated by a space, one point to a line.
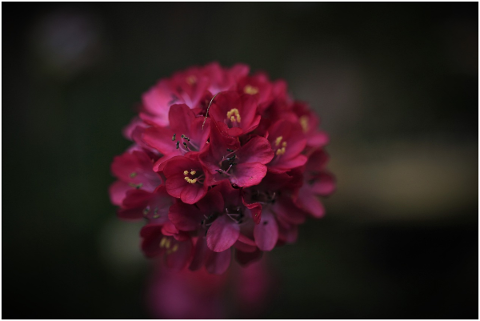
396 85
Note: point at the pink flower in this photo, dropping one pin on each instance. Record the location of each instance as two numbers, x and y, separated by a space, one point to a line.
223 165
226 159
235 114
258 86
223 221
224 79
317 182
183 88
187 134
185 179
140 204
158 240
309 122
288 141
280 216
133 170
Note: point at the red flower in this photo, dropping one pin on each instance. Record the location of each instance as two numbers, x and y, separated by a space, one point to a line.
309 122
185 179
258 86
134 171
187 134
140 204
288 142
155 242
223 79
317 182
223 221
226 159
280 216
223 165
183 88
235 114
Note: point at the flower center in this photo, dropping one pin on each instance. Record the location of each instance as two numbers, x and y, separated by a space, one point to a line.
227 162
184 144
234 115
282 146
188 179
235 213
264 197
165 243
250 90
208 220
304 123
146 212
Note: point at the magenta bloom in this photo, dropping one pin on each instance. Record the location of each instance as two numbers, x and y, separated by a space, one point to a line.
187 134
185 179
257 86
226 159
288 141
317 182
140 204
223 166
134 171
225 222
309 122
157 242
235 114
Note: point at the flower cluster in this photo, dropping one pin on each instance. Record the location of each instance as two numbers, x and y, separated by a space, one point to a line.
223 163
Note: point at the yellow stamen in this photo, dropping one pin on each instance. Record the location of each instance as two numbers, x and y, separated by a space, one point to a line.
234 115
167 243
280 151
185 173
162 242
250 90
278 140
173 249
193 172
304 123
191 181
191 80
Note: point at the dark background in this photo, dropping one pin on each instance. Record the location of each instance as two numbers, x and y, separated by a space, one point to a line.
396 86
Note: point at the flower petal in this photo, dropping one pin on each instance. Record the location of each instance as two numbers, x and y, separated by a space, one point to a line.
256 150
160 138
117 192
222 234
266 233
310 202
325 184
248 174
